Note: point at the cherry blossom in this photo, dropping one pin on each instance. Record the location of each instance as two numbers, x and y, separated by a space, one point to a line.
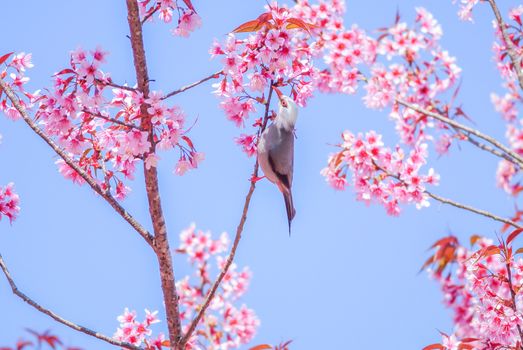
188 19
139 333
465 8
477 289
225 325
9 201
99 123
509 103
380 175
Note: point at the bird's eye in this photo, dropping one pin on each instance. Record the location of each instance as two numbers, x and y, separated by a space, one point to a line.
284 104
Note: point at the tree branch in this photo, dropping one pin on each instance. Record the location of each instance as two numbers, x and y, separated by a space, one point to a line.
454 203
239 230
486 148
513 155
110 83
190 86
58 318
473 210
112 120
515 58
92 182
161 243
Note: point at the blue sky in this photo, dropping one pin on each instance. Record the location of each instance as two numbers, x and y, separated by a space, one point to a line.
346 279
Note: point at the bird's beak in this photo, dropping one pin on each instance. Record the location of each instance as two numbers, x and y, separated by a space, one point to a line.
280 94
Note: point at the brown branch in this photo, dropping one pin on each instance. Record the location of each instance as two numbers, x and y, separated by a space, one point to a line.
239 230
454 203
161 243
190 86
513 155
473 210
92 182
110 83
58 318
112 120
489 149
511 50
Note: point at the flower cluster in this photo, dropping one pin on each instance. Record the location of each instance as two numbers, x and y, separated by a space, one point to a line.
101 125
509 103
483 290
224 325
465 8
188 19
9 202
380 175
139 333
278 52
13 74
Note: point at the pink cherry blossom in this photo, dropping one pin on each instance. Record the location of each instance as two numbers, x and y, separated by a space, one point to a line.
379 174
9 201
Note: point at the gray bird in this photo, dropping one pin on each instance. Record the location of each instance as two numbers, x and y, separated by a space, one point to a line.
276 150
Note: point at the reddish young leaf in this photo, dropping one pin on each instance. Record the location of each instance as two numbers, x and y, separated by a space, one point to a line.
520 250
298 23
474 239
254 25
21 344
5 57
513 235
64 71
188 141
261 347
434 347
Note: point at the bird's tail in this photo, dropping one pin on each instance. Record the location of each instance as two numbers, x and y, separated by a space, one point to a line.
287 196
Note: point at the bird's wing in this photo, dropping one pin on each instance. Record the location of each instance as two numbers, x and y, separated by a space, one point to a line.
281 158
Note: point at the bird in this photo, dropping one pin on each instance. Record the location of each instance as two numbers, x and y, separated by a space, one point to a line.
276 150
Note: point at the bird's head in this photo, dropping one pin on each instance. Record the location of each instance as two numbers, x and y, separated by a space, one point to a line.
288 111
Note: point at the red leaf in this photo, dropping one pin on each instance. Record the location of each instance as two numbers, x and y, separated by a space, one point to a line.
64 71
5 57
22 344
298 23
254 25
189 5
261 347
474 239
434 346
514 234
189 142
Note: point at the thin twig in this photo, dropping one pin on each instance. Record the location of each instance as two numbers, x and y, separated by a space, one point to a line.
190 86
149 16
109 119
58 318
92 182
511 50
454 203
486 148
473 210
239 230
516 157
161 242
112 84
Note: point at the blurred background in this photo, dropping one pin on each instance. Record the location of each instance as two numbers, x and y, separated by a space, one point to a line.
346 279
